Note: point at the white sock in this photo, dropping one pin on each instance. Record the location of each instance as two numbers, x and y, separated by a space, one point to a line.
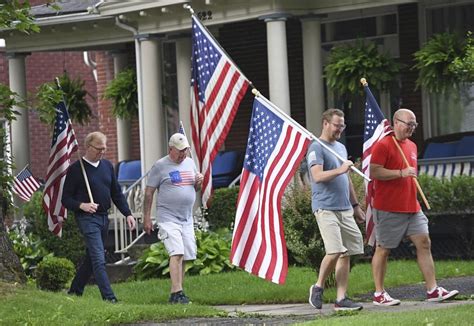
432 290
378 293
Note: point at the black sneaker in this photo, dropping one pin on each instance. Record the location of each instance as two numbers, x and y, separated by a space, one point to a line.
111 300
316 296
347 304
179 297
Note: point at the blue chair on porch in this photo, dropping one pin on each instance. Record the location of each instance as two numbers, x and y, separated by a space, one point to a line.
226 167
129 171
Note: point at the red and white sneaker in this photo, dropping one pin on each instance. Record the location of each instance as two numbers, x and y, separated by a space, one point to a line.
384 299
441 294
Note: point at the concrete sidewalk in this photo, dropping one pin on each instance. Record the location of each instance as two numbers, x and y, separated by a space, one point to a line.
305 309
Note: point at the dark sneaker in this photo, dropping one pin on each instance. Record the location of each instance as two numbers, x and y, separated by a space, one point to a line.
316 296
347 304
441 294
179 298
384 299
111 300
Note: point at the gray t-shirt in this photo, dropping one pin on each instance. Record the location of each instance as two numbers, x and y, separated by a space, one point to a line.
332 195
175 186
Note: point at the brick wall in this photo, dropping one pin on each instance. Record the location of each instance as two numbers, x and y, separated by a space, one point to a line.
44 67
409 44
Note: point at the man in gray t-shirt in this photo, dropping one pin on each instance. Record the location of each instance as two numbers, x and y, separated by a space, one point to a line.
177 180
335 205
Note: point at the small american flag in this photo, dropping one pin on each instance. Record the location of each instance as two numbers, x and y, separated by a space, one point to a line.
64 144
275 148
376 128
25 184
217 87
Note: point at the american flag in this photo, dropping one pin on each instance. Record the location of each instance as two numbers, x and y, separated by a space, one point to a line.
376 128
275 148
25 184
63 145
217 87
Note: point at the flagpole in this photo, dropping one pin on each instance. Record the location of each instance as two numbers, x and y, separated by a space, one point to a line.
364 83
83 169
309 134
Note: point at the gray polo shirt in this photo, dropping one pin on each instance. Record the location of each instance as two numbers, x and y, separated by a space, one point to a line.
332 195
175 186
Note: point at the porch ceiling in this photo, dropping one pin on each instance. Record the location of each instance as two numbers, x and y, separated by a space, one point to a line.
97 30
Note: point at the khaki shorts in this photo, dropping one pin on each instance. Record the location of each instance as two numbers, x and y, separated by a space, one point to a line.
178 239
340 232
391 228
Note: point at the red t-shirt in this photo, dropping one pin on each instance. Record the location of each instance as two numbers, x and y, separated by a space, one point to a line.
396 195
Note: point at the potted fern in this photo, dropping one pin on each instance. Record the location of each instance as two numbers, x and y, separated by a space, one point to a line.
122 91
347 63
72 91
445 62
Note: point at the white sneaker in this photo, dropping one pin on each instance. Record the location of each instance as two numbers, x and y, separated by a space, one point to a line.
441 294
384 299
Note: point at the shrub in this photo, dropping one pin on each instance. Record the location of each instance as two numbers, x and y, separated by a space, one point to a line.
221 213
303 240
28 246
453 196
54 273
70 245
213 251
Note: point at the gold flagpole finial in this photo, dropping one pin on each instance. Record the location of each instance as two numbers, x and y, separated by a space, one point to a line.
363 81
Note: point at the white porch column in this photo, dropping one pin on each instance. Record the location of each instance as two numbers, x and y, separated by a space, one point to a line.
183 72
152 124
313 73
124 132
278 77
20 139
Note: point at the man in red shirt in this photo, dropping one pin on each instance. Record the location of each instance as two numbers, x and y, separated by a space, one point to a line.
397 211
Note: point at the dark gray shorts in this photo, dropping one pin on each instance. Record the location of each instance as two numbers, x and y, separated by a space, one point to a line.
391 228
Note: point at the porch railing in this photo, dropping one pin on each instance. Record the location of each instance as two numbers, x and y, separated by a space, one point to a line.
125 238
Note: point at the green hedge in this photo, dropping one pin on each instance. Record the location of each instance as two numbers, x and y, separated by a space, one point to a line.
453 196
70 245
221 213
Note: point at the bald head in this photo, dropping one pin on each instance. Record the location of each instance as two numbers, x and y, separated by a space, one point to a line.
403 113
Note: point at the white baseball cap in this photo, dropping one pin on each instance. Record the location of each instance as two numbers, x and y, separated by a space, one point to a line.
178 141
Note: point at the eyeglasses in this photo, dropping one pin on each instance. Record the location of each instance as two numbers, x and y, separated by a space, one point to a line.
339 126
98 149
409 124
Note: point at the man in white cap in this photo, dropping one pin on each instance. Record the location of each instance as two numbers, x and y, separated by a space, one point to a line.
177 180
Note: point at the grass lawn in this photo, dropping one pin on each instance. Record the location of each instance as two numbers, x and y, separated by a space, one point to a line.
459 316
146 300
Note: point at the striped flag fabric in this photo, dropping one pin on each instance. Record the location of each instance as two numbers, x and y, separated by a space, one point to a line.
376 127
25 184
64 144
275 148
217 88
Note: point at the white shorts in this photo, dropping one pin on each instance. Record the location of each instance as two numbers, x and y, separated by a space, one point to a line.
178 239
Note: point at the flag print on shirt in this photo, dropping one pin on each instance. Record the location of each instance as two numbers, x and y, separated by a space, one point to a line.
182 178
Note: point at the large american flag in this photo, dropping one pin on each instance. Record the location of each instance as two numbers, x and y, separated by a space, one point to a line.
217 87
25 184
275 148
63 145
376 128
